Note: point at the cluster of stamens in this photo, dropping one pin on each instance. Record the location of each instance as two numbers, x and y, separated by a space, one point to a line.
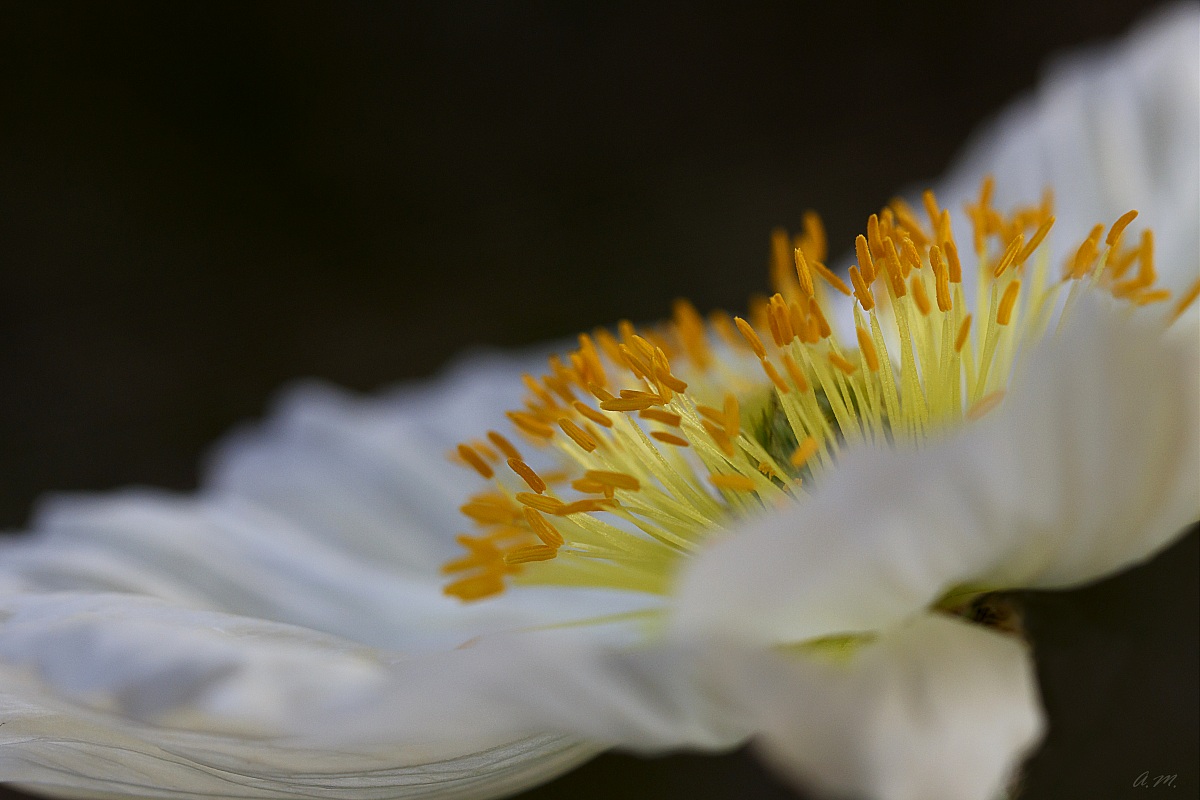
667 434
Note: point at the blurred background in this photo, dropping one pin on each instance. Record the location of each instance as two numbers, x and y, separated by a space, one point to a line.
200 202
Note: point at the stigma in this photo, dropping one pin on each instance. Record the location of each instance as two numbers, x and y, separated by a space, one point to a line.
641 443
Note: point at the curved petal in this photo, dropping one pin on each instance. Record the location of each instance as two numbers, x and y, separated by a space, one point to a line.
111 695
1090 466
225 554
370 475
938 710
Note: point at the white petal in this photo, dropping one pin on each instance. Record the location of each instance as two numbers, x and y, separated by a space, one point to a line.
938 710
371 474
228 555
117 695
1091 465
649 697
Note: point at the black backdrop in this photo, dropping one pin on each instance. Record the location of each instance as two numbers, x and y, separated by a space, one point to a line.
199 202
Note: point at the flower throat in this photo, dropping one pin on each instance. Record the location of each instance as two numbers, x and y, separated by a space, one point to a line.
647 441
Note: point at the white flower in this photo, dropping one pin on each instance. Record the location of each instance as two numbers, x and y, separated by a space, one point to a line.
284 633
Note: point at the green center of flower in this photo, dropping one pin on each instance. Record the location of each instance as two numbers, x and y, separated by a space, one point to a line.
662 436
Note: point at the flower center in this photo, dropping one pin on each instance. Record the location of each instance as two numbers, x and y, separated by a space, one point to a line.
646 442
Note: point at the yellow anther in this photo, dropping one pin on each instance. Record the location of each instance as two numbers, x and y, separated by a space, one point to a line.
658 415
541 502
588 506
941 278
963 330
931 209
775 377
908 221
669 438
1010 255
984 405
814 236
794 371
955 266
617 480
468 454
629 403
587 486
874 239
1114 233
891 266
828 276
815 313
736 482
718 435
531 478
731 416
1035 241
1185 301
919 295
475 587
577 435
536 390
489 509
530 425
541 528
803 274
690 327
866 264
592 414
861 290
910 259
1004 313
750 336
867 348
781 329
504 445
841 363
714 415
1151 296
806 450
529 554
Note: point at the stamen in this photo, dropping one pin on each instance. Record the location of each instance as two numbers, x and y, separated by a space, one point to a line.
617 480
531 478
804 451
842 364
658 415
504 445
1010 255
1188 298
867 348
750 336
529 554
1114 233
794 371
592 414
799 418
963 330
804 276
577 434
542 528
550 505
865 263
737 482
861 290
775 377
669 438
468 454
1004 315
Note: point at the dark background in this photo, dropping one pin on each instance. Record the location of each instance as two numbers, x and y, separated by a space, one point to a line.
200 202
